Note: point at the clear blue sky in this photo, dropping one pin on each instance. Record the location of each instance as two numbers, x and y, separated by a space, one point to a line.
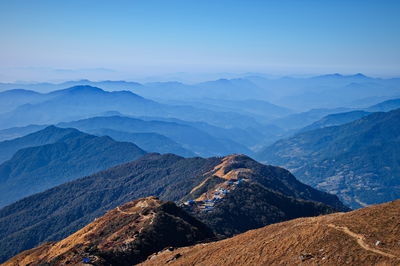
165 36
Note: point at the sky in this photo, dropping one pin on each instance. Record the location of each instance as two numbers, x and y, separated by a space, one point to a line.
50 40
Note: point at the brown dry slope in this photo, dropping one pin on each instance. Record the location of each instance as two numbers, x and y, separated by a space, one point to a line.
123 236
369 236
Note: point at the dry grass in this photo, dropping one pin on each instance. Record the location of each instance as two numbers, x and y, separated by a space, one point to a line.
336 239
123 222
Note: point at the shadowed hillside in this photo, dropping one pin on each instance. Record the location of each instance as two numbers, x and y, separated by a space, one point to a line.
150 142
335 120
67 154
358 161
44 136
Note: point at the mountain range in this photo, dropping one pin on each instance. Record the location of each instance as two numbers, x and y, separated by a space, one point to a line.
301 93
162 135
151 142
302 119
16 132
249 137
60 211
263 110
121 173
11 99
258 121
85 101
357 161
42 137
385 106
148 141
190 138
54 156
336 119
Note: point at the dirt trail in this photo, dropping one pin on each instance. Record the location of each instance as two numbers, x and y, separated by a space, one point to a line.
360 240
124 212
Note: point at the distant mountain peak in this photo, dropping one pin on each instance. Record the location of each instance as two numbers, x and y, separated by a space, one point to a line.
84 88
77 90
360 75
334 75
21 91
338 75
52 128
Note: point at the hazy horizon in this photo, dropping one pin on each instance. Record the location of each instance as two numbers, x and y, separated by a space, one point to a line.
146 40
182 77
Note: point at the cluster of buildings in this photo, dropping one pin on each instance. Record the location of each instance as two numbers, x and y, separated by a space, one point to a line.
208 204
